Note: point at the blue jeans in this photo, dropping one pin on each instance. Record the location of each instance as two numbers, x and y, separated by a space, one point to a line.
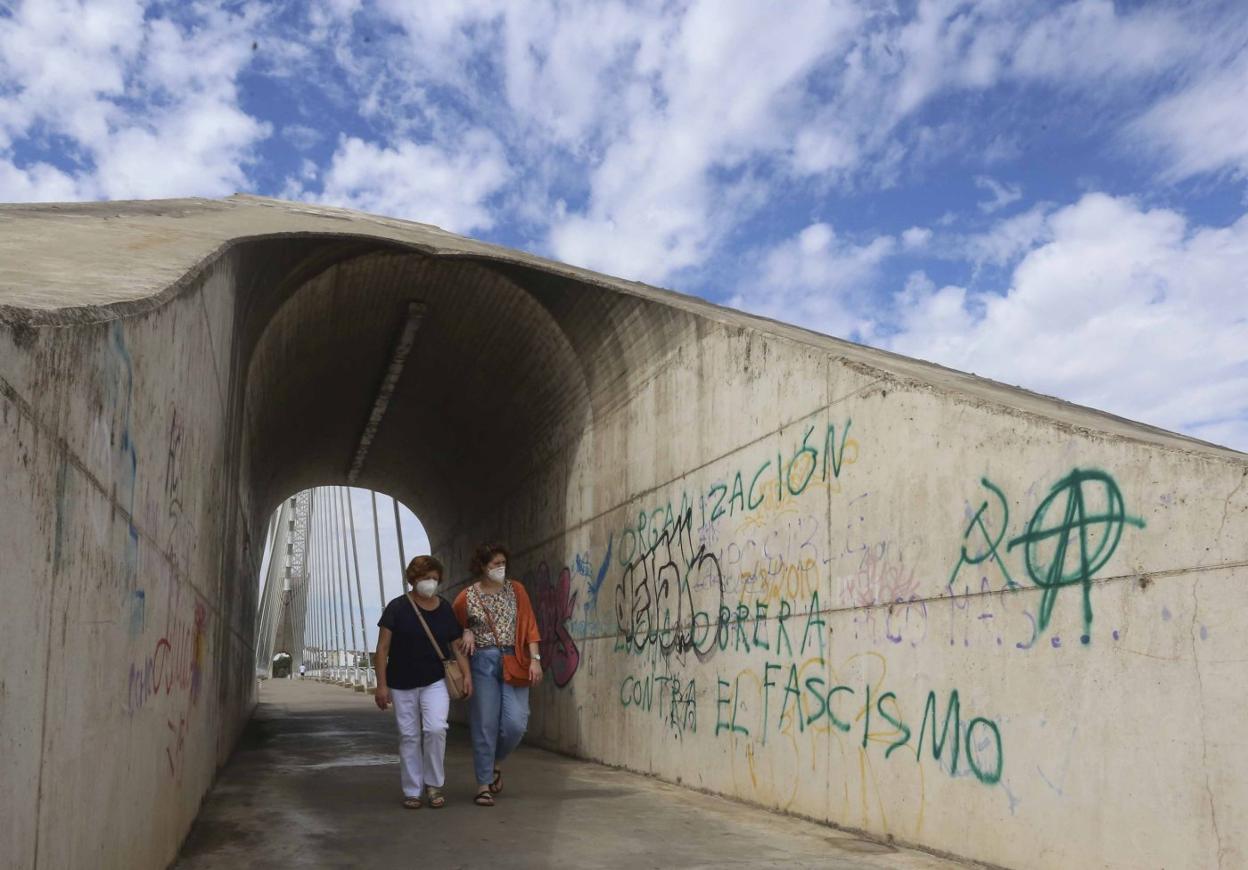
498 713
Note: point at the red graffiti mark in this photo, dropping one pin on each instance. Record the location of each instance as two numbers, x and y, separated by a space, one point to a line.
197 653
177 662
554 608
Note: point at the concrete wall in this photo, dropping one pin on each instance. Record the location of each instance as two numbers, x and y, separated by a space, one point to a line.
128 583
823 587
769 564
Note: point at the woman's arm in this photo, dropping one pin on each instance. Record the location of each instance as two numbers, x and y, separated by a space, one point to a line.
460 607
535 666
526 621
382 693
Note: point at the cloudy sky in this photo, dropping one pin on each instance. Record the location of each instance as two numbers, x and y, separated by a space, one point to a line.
1049 194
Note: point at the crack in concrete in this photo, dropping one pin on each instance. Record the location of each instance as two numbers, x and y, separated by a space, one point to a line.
1204 739
1226 506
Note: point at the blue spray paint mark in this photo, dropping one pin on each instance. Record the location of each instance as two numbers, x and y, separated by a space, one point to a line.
138 612
132 552
126 460
591 600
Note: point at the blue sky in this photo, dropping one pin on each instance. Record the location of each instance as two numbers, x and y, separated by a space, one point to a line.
1050 194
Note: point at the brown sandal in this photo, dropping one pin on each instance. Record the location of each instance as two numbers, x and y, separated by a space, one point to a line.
437 800
484 798
412 803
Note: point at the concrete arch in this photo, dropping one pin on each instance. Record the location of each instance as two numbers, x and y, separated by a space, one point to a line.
705 505
491 389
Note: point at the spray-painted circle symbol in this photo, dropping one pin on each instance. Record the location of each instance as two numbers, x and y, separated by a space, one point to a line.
1094 537
1069 550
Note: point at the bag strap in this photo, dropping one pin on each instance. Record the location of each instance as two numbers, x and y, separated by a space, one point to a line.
436 646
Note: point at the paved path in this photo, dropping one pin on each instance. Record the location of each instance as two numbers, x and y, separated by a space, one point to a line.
315 783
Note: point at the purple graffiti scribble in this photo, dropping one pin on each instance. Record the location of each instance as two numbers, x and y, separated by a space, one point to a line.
555 602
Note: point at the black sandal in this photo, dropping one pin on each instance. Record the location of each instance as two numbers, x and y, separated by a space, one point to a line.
484 798
496 787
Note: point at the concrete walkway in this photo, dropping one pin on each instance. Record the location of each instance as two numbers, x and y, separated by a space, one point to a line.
315 783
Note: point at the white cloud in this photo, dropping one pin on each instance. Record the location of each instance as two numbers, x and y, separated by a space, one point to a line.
1003 148
894 67
576 72
1007 240
66 63
445 37
199 148
40 182
641 109
817 280
301 136
1109 304
1092 41
1123 309
946 44
1203 128
916 237
138 116
724 87
448 187
1002 194
339 10
662 127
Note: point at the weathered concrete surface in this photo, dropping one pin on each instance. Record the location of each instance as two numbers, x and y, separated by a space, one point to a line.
770 564
314 783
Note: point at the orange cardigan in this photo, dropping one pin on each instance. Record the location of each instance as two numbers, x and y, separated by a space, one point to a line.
515 668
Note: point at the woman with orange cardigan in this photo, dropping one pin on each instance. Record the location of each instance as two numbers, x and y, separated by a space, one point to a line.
503 643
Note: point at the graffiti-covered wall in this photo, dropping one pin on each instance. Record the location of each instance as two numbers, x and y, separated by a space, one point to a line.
908 607
128 591
767 564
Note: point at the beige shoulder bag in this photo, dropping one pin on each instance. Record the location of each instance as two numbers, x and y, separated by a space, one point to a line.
456 684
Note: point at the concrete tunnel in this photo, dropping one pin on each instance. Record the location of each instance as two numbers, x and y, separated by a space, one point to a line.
770 563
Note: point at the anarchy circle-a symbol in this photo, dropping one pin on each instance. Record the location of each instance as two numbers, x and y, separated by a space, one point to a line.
1071 550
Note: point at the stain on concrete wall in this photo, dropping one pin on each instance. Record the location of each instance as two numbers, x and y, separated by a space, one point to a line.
113 632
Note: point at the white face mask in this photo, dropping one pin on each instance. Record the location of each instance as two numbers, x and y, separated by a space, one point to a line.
426 587
499 573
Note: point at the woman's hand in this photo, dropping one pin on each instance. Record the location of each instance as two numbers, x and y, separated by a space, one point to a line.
468 642
535 672
382 696
467 686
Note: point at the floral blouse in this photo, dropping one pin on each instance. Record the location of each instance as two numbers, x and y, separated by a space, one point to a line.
501 607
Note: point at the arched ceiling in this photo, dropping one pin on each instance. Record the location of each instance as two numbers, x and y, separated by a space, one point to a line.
490 389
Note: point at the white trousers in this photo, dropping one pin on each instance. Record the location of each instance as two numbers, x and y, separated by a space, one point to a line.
421 715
